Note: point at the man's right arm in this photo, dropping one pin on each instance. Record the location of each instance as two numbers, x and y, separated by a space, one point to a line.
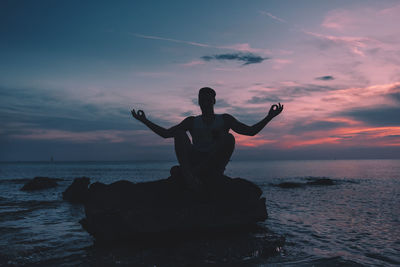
161 131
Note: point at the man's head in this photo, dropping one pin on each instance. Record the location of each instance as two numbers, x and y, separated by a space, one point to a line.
206 99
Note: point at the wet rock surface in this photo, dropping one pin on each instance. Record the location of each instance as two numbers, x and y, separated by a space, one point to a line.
40 183
166 209
224 249
78 191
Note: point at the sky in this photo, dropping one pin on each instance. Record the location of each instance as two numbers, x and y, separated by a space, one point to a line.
71 71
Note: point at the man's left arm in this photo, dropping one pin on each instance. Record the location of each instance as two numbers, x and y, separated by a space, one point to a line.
244 129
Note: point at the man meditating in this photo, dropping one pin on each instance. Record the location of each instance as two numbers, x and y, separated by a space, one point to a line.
212 143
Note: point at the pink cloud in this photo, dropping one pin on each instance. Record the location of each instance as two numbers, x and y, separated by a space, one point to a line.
368 33
390 11
285 52
366 20
338 20
280 63
354 44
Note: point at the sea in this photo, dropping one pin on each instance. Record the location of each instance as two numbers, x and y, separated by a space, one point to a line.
355 222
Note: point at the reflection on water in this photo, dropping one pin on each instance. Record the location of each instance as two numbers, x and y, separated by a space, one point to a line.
356 221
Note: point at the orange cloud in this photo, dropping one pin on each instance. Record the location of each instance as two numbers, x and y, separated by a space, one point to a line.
251 141
358 136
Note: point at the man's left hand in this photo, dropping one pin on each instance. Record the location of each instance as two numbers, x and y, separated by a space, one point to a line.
275 110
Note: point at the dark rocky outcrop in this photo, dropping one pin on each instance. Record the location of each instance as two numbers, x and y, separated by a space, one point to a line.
78 191
39 183
166 208
312 181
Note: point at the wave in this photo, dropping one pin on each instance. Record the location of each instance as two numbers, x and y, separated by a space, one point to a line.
19 210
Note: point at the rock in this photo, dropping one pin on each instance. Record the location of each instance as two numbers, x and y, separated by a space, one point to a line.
224 249
78 191
167 209
39 183
321 181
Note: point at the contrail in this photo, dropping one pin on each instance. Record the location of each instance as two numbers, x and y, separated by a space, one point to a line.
171 40
272 16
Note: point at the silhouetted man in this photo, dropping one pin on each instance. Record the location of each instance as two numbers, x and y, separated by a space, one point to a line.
212 143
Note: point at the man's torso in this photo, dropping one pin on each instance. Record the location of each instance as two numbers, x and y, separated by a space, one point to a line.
205 134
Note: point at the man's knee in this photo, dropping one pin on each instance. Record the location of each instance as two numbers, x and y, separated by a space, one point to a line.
229 140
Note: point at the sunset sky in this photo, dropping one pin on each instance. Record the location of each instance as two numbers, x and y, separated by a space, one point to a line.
70 71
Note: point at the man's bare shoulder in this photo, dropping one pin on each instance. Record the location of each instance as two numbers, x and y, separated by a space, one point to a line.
229 120
188 119
187 122
228 117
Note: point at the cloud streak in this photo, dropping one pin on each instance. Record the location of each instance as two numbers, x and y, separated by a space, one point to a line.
247 58
272 16
171 40
325 78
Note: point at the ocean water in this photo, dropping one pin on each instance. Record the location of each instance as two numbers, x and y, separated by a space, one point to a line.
354 222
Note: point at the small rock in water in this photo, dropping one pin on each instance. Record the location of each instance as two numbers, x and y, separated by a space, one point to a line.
39 183
312 181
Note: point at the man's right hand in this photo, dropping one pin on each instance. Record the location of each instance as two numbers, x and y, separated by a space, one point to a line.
139 115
